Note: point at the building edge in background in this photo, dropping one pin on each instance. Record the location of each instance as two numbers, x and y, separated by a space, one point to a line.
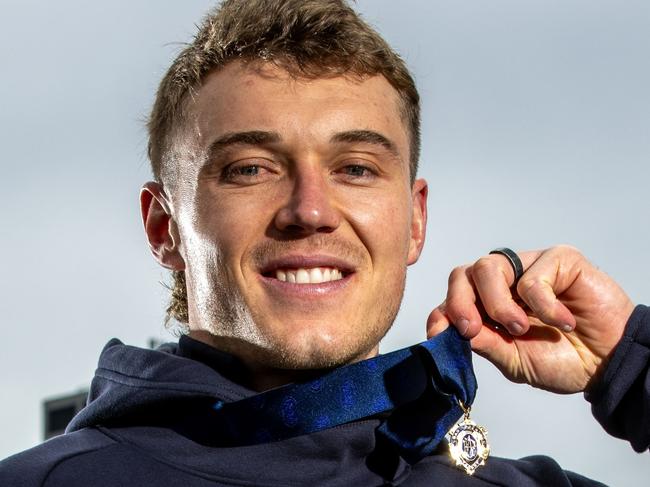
59 411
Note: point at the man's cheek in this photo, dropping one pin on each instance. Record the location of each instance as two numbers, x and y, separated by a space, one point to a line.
393 220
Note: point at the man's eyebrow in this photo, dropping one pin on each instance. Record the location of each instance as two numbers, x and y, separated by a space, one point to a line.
251 137
261 137
367 137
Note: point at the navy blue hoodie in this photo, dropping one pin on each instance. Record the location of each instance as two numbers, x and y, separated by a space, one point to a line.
139 429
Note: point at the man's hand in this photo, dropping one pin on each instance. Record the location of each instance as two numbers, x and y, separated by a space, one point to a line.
554 330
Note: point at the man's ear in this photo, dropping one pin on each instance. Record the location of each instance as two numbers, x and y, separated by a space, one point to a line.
160 227
419 193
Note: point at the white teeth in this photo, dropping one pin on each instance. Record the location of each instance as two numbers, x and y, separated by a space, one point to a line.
314 275
302 276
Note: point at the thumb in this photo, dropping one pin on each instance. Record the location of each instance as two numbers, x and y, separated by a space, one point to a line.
437 322
494 346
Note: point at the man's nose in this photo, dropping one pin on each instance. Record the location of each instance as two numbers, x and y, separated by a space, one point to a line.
310 207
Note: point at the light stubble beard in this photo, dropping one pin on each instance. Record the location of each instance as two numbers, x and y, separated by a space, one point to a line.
222 312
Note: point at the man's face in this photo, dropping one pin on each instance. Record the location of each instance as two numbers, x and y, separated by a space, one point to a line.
297 220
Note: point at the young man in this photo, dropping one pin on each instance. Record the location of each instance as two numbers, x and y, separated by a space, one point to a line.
284 144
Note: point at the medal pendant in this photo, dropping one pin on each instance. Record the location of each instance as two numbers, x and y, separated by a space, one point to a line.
468 444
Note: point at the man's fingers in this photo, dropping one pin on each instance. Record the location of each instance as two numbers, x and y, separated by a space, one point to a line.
485 288
460 305
492 277
551 274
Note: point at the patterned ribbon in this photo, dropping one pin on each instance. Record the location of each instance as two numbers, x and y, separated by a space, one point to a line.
417 390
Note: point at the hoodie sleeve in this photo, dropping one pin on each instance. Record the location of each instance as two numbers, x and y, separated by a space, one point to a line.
620 401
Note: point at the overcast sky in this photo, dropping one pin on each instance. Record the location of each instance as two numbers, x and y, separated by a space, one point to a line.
536 131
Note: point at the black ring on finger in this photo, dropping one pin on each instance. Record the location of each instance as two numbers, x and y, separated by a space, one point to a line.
514 260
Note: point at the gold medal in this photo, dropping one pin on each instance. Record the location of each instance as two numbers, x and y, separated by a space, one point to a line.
468 444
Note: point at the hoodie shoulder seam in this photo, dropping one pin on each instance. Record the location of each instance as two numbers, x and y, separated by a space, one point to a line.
59 462
189 387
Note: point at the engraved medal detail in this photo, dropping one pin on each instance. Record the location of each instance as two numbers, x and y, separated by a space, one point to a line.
468 444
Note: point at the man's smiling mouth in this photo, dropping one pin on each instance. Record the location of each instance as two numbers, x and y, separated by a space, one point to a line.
309 275
295 271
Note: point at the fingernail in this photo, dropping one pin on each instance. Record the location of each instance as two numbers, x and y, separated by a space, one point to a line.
566 327
515 328
463 325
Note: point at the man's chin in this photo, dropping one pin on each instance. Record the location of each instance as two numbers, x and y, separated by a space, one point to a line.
318 352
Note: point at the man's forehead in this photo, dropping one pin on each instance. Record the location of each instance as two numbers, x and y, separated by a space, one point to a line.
242 97
247 73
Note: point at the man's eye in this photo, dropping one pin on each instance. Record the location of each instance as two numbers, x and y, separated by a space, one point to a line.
244 173
247 170
357 171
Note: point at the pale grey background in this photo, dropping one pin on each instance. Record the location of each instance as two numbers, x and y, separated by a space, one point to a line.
536 131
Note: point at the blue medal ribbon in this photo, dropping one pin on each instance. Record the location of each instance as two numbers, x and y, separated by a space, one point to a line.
415 390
